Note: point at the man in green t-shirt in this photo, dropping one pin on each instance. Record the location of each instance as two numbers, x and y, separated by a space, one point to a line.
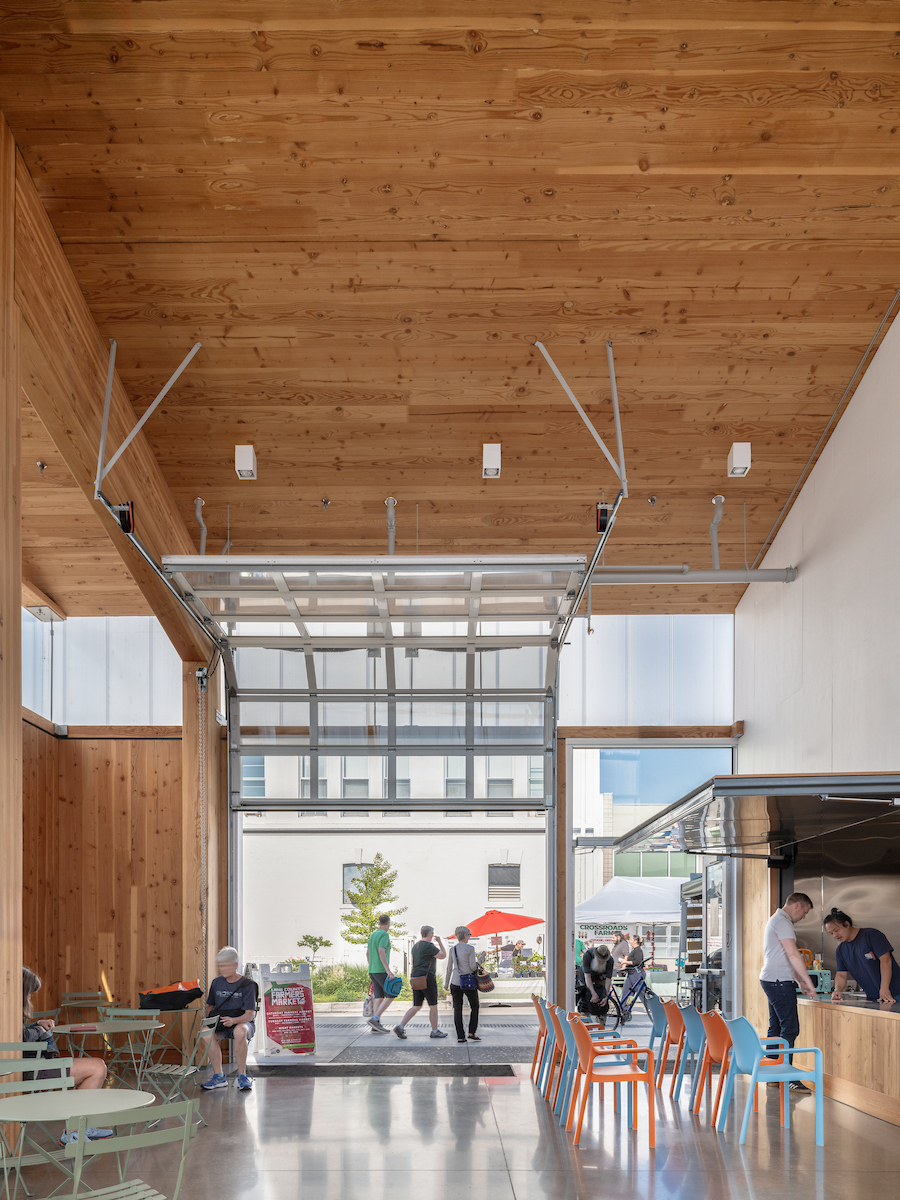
380 970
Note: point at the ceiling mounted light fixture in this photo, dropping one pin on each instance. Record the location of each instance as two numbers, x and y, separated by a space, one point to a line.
490 460
245 462
739 460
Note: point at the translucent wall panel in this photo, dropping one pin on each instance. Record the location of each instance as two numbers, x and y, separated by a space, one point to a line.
105 671
648 670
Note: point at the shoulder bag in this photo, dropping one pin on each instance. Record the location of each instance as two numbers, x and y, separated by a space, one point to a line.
369 1003
467 982
418 983
483 979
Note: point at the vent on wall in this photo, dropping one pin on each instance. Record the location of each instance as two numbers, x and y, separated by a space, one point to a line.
504 883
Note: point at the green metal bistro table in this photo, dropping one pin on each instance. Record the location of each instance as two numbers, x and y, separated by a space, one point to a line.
41 1107
122 1054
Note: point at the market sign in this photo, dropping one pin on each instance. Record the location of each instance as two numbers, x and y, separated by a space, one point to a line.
287 1025
601 931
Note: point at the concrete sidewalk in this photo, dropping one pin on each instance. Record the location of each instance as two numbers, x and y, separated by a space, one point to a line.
507 1037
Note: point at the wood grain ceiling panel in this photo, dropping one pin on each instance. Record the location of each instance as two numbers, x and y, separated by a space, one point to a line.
368 217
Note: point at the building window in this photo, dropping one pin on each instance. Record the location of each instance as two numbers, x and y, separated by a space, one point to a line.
352 872
504 883
682 865
535 778
455 777
499 778
253 775
355 780
627 864
304 779
403 792
459 813
396 812
654 864
500 812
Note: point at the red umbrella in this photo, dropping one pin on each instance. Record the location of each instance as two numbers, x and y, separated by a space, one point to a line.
495 921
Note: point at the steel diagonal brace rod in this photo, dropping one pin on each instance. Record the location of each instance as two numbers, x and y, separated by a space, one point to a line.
590 568
618 467
103 471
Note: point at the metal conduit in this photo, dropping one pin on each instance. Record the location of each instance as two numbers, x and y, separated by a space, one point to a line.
718 501
198 513
391 522
610 576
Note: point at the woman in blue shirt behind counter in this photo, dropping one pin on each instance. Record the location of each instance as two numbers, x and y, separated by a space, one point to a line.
867 956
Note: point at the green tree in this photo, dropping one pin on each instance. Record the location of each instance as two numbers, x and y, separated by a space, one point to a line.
372 895
314 945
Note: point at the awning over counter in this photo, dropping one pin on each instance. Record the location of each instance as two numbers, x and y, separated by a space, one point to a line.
766 815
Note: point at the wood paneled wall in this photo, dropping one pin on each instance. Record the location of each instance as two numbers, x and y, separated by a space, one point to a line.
757 908
105 844
10 610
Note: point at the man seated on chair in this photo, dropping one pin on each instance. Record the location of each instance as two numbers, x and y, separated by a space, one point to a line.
232 998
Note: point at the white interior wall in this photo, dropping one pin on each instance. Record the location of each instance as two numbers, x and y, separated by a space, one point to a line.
817 661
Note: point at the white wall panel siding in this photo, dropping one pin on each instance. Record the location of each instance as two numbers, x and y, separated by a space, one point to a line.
648 670
818 660
35 664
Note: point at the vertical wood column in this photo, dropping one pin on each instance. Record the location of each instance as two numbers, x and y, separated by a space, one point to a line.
562 951
10 611
198 829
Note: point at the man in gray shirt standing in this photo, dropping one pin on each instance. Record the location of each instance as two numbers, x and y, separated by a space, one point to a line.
782 965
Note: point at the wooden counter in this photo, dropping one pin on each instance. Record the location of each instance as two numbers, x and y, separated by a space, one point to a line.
860 1044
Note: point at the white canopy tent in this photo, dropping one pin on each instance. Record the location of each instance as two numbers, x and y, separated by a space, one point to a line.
634 901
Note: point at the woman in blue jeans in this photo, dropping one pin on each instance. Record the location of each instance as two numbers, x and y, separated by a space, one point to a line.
462 962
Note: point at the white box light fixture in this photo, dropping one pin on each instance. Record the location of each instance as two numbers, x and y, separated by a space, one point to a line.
739 460
245 462
490 460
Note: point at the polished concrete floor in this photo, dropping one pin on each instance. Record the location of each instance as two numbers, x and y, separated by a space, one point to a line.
389 1138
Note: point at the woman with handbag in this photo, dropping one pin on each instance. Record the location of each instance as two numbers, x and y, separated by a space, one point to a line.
423 980
464 983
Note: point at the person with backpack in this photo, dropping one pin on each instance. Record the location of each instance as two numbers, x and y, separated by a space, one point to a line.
597 967
423 979
233 999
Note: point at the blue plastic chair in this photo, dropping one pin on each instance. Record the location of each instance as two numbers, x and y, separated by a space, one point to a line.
543 1075
658 1016
747 1053
694 1045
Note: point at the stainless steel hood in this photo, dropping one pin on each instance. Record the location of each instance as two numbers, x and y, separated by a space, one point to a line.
767 815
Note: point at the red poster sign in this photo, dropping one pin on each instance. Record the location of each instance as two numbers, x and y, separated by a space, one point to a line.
289 1016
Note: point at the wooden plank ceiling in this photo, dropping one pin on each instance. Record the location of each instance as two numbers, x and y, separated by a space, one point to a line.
368 213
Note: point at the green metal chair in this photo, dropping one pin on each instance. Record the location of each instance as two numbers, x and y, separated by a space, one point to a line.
79 1001
131 1189
62 1081
122 1058
170 1079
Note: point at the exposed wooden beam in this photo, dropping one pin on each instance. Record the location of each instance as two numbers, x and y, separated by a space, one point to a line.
652 731
33 597
63 374
10 612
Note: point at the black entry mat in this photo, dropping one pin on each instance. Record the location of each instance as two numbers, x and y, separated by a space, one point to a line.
336 1070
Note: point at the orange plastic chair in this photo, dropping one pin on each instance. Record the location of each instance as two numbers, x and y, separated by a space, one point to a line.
591 1069
718 1043
675 1033
542 1034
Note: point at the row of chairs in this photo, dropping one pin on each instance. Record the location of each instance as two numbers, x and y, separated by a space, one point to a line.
701 1041
79 1150
571 1055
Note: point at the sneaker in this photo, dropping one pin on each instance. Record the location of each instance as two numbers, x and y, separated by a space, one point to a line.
400 1032
214 1081
474 1038
437 1033
93 1135
374 1022
377 1027
796 1086
245 1083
